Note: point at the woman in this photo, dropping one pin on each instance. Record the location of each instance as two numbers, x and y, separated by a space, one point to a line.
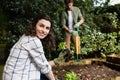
27 60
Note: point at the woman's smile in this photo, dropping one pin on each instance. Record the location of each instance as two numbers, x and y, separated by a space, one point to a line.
42 28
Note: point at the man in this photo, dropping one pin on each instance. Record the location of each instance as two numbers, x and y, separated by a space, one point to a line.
71 19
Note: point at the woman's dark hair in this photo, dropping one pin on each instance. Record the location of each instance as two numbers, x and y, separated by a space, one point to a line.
49 40
31 29
67 1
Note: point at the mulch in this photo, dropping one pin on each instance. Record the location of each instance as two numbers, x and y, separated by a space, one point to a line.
87 71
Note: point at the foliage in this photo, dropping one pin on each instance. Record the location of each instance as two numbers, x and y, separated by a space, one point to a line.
71 76
98 44
108 9
94 43
110 23
61 46
2 25
99 34
20 13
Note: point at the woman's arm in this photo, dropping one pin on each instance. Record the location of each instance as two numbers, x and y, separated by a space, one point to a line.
50 76
35 50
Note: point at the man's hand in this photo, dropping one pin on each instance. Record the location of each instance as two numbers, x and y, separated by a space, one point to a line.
77 25
73 32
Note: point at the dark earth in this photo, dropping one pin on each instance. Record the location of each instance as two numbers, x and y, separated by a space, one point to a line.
87 71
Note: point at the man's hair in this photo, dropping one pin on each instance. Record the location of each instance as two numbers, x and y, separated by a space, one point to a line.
68 1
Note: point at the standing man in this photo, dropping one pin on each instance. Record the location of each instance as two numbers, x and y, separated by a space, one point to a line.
71 19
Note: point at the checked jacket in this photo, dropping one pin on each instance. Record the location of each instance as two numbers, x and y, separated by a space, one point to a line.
26 60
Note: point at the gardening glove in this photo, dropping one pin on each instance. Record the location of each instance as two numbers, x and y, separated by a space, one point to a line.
64 56
71 31
74 33
60 58
77 25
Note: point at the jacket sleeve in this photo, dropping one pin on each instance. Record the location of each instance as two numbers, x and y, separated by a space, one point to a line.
63 19
35 50
79 14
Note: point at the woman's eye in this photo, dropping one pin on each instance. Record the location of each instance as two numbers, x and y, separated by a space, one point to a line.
48 28
41 25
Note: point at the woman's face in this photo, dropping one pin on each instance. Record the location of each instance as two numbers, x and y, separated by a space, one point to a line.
42 28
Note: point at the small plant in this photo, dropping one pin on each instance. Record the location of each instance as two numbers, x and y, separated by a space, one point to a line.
71 76
61 46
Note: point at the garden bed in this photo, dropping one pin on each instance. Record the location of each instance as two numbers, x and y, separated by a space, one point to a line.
89 69
114 58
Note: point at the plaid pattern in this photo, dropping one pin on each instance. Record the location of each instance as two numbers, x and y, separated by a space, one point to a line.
26 60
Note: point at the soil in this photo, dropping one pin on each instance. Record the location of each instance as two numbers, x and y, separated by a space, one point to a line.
87 71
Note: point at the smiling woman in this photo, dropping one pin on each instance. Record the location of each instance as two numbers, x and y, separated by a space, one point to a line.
27 60
42 28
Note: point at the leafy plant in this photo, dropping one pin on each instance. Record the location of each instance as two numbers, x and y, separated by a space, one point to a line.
98 43
61 46
71 76
108 22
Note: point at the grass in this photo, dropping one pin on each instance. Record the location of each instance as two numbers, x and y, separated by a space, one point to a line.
1 71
